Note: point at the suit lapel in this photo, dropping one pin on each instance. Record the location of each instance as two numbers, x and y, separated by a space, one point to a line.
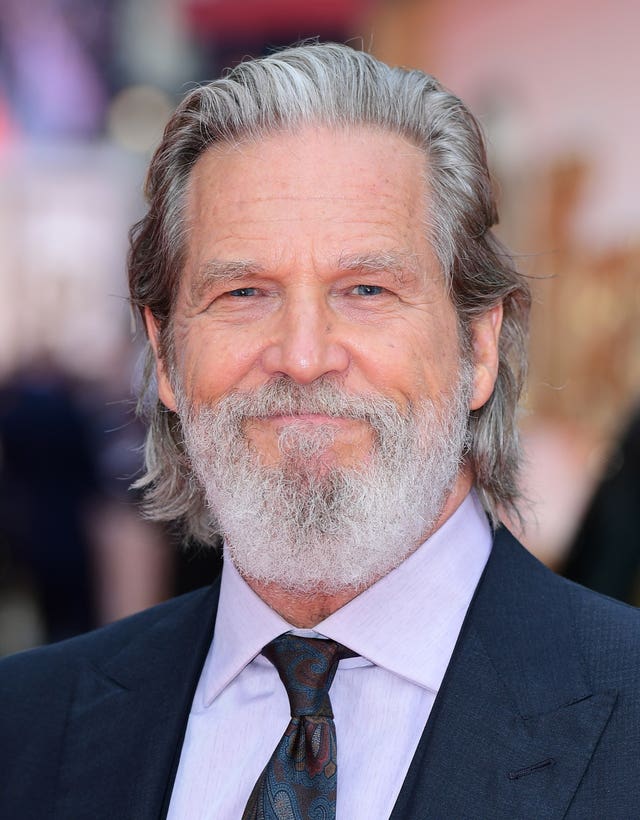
515 722
139 701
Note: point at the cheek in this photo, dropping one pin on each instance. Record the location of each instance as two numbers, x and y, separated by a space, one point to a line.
417 364
214 363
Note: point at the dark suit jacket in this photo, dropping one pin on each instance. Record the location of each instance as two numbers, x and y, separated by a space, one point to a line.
538 716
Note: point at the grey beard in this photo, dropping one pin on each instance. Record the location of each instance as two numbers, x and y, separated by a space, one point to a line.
303 526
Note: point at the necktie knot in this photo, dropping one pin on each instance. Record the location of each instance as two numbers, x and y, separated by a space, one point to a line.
306 667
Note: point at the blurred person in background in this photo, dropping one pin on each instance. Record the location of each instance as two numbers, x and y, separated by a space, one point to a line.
338 342
605 554
48 483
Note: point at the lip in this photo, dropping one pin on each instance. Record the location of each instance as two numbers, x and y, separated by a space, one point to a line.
306 418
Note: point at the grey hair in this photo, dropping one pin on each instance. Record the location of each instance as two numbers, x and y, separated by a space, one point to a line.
336 86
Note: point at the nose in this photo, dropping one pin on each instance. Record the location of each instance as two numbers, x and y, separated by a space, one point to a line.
305 344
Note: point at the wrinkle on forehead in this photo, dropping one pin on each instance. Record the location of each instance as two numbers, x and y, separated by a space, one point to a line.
297 146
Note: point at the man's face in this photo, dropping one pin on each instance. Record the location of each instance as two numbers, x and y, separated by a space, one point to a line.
308 258
317 368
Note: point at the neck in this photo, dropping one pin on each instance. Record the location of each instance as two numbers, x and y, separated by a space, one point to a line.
302 609
305 610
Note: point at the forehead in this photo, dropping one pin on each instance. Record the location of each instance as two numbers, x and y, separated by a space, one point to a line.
324 191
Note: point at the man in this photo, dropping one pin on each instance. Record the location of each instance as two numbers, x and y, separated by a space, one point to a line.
338 343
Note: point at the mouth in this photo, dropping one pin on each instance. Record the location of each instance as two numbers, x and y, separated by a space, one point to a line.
306 419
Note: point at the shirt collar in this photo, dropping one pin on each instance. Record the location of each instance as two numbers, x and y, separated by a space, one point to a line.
407 622
244 625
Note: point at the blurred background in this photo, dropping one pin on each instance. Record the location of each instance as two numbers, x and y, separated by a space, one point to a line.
85 89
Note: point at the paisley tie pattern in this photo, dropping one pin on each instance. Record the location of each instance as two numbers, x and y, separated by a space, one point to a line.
299 781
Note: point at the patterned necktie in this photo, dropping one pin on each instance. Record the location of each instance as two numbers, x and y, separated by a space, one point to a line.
299 781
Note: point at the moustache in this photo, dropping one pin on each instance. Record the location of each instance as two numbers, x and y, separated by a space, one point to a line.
282 396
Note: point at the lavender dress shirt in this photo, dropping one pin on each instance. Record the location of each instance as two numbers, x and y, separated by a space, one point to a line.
404 628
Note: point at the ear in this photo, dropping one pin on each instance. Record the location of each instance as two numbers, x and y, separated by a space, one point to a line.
485 331
165 391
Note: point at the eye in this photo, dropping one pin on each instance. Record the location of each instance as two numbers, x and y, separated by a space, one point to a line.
368 290
243 292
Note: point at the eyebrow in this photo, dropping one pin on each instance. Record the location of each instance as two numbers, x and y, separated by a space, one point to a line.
215 271
398 263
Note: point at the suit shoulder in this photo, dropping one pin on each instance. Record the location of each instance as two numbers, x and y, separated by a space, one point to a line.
34 669
606 631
